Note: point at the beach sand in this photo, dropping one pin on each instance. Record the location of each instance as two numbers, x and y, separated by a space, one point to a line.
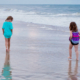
39 52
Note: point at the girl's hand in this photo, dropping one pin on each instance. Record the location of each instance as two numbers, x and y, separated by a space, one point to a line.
12 31
3 31
70 35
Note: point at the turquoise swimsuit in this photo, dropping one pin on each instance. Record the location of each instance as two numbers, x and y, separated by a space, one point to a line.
7 26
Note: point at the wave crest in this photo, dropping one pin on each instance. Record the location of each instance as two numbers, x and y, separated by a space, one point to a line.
60 19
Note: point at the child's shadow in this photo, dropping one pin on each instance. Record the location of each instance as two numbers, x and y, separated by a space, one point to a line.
73 75
6 73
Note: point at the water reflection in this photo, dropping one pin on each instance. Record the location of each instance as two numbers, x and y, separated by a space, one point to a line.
6 73
73 75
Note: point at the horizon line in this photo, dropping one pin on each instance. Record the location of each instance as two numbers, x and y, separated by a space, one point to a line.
39 4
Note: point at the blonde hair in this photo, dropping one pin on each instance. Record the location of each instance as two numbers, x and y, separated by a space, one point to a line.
9 18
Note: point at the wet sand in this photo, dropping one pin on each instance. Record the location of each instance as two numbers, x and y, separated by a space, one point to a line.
39 52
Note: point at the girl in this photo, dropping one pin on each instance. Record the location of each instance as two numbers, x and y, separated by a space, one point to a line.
74 39
7 29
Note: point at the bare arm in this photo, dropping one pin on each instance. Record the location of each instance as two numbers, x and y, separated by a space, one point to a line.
3 31
70 35
79 33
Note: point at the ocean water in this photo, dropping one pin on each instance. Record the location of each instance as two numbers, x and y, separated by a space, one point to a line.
58 15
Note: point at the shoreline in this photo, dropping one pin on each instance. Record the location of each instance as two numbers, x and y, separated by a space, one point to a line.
16 21
37 52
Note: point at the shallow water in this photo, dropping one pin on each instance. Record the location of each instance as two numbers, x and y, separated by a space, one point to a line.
38 53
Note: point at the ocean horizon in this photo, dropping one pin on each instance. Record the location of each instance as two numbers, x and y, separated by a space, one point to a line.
48 14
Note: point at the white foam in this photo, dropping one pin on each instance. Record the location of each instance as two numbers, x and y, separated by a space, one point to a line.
55 19
43 27
49 28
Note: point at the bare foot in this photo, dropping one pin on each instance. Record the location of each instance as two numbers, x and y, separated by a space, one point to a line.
69 58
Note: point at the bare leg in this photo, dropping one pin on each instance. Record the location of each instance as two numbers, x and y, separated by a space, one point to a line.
76 68
70 51
6 43
9 44
76 50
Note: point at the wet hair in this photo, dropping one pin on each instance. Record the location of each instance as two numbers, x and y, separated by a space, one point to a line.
9 18
73 27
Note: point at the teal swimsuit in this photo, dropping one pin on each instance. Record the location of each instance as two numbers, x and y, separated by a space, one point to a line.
7 26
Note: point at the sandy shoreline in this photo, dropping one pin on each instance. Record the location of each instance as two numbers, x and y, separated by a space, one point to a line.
38 52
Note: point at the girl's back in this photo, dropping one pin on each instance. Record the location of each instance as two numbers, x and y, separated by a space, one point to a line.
7 26
75 37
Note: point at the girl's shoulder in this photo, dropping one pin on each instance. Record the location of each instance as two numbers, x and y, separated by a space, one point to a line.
70 31
76 32
10 23
7 22
4 23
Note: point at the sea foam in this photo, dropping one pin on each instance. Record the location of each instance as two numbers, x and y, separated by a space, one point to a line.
57 19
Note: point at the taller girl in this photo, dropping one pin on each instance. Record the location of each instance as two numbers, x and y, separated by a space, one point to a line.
7 29
74 39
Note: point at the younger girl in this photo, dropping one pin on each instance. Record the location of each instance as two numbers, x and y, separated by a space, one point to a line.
7 29
74 39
